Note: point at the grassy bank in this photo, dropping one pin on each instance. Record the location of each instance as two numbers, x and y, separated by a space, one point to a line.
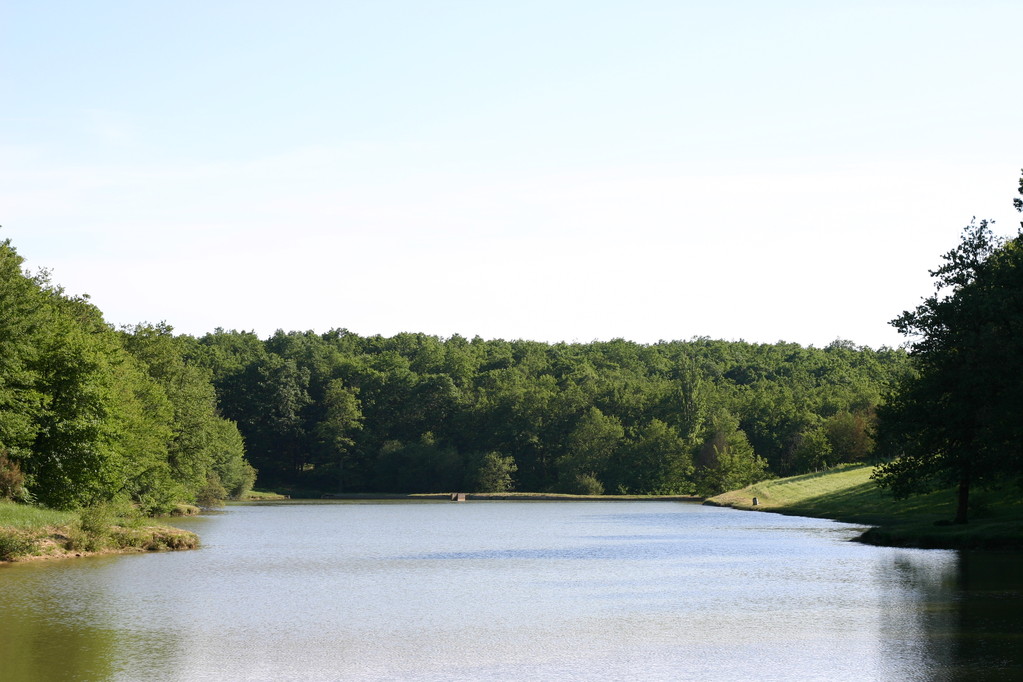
28 532
262 495
848 494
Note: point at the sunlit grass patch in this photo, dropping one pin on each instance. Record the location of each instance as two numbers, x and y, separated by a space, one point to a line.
257 495
848 494
24 516
182 509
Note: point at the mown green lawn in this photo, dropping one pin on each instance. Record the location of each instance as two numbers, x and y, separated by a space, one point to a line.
848 494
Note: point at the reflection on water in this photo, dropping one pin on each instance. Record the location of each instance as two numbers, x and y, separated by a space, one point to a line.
43 636
968 616
511 590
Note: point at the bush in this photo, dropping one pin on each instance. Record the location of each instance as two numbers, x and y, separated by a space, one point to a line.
12 481
13 544
212 494
159 501
98 524
586 484
174 539
244 480
123 538
100 518
494 474
78 540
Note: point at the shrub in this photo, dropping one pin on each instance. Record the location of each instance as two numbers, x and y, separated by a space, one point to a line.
12 481
77 540
586 484
98 519
494 474
14 544
244 480
160 501
128 537
171 538
97 525
212 494
183 540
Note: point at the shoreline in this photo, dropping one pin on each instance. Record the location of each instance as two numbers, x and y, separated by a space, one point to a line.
64 542
487 497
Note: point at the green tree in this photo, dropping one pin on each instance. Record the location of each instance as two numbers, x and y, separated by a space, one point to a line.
107 424
533 401
657 461
850 435
229 462
494 473
813 451
420 467
956 420
726 460
22 318
202 447
591 446
342 418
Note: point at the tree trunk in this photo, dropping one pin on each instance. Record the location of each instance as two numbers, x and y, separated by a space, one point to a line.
964 497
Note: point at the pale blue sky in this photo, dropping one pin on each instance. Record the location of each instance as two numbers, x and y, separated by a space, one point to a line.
544 170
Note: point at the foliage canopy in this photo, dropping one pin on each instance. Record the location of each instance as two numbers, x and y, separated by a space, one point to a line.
958 418
90 415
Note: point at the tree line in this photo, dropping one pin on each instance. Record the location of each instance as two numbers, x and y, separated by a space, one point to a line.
340 412
89 413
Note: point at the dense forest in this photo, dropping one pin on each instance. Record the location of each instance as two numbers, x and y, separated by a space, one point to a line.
339 412
89 413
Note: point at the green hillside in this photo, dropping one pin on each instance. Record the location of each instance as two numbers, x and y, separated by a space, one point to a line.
848 494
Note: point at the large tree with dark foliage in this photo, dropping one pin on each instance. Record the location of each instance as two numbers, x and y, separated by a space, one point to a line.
958 419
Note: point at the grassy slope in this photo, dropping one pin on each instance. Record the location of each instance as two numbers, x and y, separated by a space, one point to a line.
848 494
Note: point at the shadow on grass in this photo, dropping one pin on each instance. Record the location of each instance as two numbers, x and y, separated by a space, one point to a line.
922 521
866 503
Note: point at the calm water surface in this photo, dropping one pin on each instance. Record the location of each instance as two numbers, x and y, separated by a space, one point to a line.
515 590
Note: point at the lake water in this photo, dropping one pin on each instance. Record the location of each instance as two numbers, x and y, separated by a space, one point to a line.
515 591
